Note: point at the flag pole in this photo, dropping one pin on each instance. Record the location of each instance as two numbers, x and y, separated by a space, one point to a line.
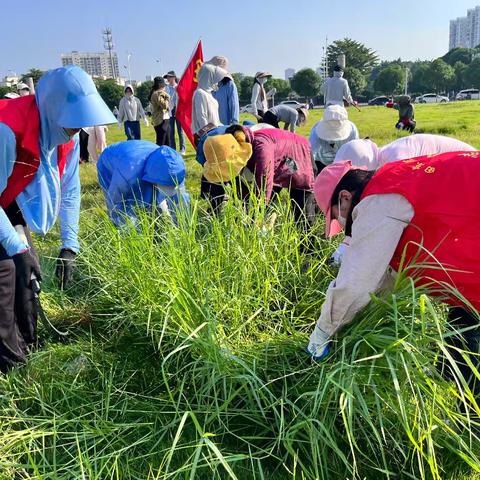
191 56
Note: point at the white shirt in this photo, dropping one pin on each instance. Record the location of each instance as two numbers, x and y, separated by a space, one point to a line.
204 110
257 102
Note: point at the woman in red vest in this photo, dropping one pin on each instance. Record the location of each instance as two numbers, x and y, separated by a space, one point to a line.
405 208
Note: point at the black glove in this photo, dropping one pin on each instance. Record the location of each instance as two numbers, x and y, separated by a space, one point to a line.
65 267
26 264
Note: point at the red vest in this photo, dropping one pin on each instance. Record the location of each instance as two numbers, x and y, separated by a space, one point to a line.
441 245
21 115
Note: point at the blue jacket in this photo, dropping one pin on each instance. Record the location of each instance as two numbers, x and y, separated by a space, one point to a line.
228 106
129 173
66 98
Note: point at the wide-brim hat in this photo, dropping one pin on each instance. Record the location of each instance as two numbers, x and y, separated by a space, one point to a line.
171 73
262 74
323 189
334 125
22 86
226 156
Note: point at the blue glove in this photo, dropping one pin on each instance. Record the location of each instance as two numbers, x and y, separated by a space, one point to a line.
319 345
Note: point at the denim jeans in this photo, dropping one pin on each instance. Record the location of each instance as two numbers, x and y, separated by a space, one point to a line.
181 135
132 130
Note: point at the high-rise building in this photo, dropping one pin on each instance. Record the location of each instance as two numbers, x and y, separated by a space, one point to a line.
465 31
289 73
95 64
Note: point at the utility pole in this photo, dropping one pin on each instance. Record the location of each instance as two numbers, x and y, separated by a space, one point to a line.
108 45
407 71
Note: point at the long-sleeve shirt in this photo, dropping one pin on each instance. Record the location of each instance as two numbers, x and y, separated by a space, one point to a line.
324 151
160 102
378 224
257 102
45 198
286 114
172 91
131 110
204 110
335 89
228 105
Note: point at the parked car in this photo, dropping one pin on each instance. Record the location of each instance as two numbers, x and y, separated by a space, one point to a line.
246 109
294 104
432 98
379 101
469 94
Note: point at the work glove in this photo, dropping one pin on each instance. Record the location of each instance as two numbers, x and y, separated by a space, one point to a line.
319 345
65 267
145 121
120 124
26 265
337 256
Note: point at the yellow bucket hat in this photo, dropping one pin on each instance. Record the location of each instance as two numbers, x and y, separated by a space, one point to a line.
226 156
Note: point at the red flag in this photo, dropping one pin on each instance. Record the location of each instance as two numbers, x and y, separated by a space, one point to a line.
185 89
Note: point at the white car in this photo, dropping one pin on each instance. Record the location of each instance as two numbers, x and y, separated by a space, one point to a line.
247 109
469 94
294 104
432 98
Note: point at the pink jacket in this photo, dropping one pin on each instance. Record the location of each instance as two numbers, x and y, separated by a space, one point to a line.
281 159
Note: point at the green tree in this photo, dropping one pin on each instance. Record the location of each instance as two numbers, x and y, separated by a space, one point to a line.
143 92
440 76
35 73
246 85
284 89
110 91
357 55
472 74
4 91
356 80
390 80
306 83
460 76
455 55
237 78
418 79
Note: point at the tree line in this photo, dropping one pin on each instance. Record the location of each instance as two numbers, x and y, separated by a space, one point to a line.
367 76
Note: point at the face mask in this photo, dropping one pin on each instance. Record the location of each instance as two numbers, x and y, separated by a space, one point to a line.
128 94
341 220
262 80
66 136
338 74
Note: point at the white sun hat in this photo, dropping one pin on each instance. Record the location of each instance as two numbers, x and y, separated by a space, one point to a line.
334 125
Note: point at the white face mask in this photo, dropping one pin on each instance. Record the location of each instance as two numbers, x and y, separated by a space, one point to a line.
341 220
262 80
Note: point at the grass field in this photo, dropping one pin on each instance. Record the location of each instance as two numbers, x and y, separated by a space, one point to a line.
186 357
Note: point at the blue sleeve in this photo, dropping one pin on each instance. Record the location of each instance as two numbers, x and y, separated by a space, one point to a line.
70 201
233 104
9 238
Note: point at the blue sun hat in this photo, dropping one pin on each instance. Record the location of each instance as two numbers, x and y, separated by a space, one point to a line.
68 96
165 167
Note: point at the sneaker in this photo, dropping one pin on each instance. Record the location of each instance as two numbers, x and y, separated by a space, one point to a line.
183 151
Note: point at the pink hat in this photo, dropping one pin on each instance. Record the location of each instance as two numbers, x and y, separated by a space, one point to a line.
323 188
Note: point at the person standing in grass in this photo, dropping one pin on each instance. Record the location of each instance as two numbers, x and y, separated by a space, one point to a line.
269 159
130 112
97 141
205 114
226 94
291 117
336 90
171 79
259 99
38 181
329 134
141 175
405 217
160 101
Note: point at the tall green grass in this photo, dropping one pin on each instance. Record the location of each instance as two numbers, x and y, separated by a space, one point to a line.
189 362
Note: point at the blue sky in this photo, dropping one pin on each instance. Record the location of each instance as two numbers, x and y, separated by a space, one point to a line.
253 34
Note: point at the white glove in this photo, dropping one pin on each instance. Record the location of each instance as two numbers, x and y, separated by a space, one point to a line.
319 345
119 124
145 121
337 256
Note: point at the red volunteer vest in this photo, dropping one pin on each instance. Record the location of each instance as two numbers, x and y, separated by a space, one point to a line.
21 115
441 246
